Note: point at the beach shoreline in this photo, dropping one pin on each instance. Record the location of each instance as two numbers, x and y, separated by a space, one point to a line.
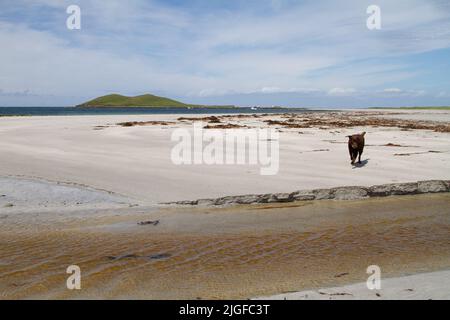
136 161
89 190
422 286
236 252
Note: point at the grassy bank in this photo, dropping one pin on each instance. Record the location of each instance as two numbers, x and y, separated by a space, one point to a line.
415 108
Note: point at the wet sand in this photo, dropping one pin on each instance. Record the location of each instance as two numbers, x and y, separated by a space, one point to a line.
237 252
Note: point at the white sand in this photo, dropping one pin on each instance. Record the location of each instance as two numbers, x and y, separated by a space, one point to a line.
20 195
135 162
415 114
425 286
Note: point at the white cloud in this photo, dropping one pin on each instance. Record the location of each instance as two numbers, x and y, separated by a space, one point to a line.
393 90
269 90
263 90
342 91
146 46
400 92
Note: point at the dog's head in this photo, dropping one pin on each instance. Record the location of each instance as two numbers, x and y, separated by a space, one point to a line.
356 139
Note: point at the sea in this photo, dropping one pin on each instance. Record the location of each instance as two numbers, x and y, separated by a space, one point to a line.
73 111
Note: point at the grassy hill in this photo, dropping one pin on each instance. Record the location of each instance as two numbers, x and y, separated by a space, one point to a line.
146 100
414 108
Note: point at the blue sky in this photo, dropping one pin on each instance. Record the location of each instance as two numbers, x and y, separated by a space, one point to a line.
252 52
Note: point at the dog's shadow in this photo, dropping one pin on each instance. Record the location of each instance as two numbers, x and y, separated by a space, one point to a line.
360 165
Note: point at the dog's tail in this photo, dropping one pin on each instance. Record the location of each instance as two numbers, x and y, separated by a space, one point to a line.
363 134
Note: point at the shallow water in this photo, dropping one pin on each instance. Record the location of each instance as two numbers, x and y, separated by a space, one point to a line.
226 253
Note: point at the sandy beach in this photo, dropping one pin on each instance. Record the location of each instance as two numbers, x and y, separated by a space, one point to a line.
135 161
88 190
238 151
432 285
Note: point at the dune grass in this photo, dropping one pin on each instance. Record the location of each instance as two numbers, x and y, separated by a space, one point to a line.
415 108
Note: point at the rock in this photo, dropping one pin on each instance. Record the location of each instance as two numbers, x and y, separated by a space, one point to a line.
272 198
447 183
303 195
185 202
224 200
247 199
350 193
404 188
432 186
380 191
284 197
323 194
339 193
280 197
264 198
341 274
393 189
159 256
127 256
205 202
146 223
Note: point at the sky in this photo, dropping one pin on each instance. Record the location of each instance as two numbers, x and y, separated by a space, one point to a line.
301 53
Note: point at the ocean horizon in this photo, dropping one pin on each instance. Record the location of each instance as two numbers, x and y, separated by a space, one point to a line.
76 111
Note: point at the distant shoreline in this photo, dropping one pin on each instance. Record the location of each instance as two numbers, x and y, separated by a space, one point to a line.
181 107
412 108
79 111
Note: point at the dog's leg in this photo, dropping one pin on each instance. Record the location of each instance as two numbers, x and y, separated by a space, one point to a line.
351 154
360 154
354 156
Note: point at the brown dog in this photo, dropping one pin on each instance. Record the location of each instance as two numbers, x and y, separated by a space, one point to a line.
356 146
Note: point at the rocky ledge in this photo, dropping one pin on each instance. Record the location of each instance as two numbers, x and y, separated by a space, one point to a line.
339 193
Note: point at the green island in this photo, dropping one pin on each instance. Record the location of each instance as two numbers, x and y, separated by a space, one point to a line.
142 101
414 108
